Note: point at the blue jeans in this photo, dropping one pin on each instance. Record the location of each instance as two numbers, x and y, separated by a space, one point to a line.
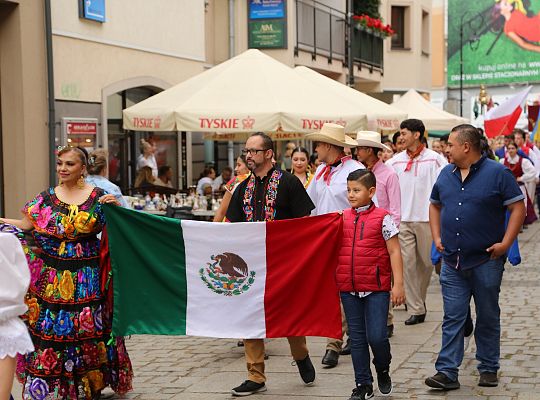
483 283
366 317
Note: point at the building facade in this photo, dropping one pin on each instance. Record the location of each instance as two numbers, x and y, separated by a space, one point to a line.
94 62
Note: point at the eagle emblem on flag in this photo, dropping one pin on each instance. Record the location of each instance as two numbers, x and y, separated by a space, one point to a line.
227 274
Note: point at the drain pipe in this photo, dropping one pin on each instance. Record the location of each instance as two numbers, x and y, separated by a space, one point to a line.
230 145
50 92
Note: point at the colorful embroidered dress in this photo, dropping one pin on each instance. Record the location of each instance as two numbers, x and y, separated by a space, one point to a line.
68 318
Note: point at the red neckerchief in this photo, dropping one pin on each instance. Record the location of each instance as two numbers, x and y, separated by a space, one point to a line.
325 172
412 156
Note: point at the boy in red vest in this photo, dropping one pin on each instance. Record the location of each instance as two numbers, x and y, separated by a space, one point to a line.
370 253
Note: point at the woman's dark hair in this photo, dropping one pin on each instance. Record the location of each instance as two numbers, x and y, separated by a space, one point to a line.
512 143
313 158
301 150
243 158
207 171
162 171
395 137
485 149
363 176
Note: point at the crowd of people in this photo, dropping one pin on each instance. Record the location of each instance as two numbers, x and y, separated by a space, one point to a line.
466 196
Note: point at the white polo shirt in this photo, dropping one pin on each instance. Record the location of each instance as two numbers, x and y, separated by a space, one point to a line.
332 196
416 184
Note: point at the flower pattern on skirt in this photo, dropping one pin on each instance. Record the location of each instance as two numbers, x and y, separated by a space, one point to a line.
68 314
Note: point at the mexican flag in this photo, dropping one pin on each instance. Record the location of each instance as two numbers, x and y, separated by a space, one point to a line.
227 280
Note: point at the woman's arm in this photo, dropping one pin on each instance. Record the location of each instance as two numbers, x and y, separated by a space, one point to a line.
522 43
24 223
220 213
398 293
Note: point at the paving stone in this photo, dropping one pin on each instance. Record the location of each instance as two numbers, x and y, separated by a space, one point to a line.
189 368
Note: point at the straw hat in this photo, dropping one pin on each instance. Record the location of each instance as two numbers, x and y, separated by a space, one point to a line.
332 134
370 139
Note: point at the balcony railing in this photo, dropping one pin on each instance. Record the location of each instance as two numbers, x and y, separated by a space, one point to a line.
367 49
320 30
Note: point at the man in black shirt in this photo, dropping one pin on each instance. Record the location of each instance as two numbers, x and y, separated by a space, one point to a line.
268 194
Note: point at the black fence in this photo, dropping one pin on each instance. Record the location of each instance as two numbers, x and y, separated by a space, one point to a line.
322 30
367 49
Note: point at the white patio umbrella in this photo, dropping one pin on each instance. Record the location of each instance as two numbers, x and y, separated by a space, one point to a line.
381 116
250 92
433 118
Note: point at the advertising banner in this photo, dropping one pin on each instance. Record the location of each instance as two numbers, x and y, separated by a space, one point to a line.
267 34
499 41
264 9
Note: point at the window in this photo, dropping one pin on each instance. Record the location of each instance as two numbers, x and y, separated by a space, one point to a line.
425 33
398 25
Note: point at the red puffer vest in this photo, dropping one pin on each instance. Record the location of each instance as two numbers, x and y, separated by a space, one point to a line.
364 262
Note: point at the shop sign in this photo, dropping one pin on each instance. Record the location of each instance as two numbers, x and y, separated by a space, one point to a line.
80 126
92 9
264 9
267 34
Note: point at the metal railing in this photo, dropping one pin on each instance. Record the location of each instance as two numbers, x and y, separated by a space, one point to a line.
320 30
367 49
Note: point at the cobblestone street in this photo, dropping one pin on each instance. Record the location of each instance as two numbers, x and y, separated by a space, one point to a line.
196 368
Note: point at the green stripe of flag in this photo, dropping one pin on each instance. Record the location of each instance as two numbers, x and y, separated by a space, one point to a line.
149 273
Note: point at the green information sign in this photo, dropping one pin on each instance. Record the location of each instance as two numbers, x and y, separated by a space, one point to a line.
499 42
267 34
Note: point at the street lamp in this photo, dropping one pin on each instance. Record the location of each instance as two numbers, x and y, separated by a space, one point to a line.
461 64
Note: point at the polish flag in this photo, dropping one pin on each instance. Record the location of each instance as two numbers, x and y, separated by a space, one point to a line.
501 120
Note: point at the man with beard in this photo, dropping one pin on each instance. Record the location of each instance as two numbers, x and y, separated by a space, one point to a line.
268 194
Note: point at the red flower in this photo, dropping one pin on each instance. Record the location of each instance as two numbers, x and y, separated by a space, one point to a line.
86 321
48 359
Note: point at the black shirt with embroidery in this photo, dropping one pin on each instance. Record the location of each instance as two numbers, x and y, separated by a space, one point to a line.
292 200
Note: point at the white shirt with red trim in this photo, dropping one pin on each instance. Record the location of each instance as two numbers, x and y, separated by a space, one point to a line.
416 184
331 196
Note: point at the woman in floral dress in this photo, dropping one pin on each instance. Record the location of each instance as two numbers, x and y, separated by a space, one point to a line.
68 316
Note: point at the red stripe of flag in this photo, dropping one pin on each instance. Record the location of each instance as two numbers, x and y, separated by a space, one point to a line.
301 297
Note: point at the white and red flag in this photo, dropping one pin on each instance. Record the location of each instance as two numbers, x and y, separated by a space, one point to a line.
501 120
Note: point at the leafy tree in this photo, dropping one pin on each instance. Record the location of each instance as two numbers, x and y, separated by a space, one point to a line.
368 7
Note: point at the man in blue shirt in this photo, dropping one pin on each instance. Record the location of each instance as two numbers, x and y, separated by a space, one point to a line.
467 218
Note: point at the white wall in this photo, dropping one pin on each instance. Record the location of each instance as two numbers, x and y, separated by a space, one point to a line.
169 27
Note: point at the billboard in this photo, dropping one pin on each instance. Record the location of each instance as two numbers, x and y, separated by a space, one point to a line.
499 41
